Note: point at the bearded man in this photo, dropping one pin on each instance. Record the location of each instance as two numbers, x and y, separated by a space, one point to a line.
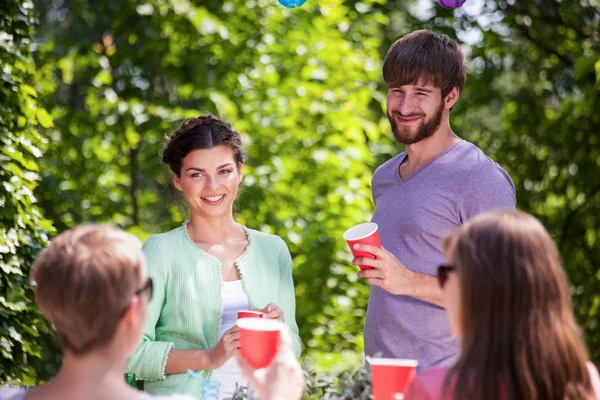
434 186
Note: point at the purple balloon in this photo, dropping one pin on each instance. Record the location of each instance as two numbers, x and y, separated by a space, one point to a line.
451 3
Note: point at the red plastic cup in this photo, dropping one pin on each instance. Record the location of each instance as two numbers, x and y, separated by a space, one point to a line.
259 339
391 377
366 233
249 314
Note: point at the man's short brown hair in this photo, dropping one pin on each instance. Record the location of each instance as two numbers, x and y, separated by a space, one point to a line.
84 281
427 58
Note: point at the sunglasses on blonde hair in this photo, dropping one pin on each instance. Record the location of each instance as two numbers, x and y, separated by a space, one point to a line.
145 292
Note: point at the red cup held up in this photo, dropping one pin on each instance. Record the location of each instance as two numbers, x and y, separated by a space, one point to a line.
391 377
366 233
259 339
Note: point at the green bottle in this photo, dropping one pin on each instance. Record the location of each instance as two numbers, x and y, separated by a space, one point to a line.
130 378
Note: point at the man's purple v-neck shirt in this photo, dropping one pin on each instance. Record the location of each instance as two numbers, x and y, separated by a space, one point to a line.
413 217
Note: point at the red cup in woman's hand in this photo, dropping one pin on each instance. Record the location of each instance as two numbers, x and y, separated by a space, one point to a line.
249 314
259 338
272 311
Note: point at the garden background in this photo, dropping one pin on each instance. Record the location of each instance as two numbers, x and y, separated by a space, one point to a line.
90 89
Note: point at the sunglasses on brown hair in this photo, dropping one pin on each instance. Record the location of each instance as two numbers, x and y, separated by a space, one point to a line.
443 271
145 292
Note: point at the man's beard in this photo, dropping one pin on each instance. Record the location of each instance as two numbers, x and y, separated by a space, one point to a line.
424 130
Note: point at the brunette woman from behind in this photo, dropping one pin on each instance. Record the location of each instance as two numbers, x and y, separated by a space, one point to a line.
508 302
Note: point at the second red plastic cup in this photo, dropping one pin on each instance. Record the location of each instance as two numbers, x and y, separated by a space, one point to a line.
249 314
259 339
391 376
366 233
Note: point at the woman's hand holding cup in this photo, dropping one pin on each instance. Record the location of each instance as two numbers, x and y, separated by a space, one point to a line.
272 311
226 348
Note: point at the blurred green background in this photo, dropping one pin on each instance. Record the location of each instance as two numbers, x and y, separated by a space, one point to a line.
90 89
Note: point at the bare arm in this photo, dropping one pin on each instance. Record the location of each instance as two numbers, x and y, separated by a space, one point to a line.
425 287
390 275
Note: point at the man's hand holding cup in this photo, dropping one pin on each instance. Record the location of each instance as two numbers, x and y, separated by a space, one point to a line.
377 265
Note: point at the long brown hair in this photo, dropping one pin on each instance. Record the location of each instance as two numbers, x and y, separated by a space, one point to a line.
519 335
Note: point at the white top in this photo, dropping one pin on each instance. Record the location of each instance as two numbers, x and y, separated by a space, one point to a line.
234 299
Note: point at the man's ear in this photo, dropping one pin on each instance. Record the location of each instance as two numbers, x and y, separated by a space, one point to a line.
177 182
451 98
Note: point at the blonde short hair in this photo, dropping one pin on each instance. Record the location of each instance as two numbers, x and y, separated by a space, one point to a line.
84 281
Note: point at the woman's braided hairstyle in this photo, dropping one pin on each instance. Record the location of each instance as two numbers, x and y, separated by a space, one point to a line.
203 132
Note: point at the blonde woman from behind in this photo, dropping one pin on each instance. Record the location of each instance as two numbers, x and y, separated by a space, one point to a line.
92 285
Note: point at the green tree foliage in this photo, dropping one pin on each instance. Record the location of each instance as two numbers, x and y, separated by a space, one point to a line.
28 349
304 86
301 85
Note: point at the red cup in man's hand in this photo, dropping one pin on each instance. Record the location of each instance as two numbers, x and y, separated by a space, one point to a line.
366 233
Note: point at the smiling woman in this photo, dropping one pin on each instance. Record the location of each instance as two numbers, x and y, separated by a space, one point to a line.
207 270
207 182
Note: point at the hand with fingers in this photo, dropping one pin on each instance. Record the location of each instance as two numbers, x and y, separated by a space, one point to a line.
226 348
388 273
272 311
283 379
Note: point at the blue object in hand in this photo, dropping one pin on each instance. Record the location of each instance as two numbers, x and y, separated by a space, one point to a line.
291 3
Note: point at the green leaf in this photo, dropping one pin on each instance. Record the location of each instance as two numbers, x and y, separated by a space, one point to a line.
44 118
585 65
